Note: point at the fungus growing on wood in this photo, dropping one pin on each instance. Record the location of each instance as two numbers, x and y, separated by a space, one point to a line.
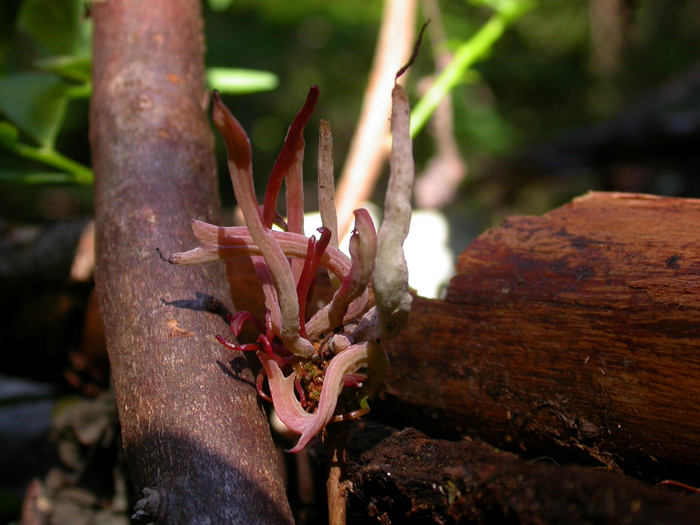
309 363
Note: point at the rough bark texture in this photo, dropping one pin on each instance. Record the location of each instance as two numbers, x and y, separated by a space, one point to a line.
410 478
193 429
575 334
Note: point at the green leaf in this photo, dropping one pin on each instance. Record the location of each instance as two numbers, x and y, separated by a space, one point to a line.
35 103
71 67
59 27
465 56
510 9
34 178
220 5
9 135
240 81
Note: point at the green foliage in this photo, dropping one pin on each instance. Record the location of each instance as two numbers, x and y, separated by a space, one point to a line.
75 68
543 29
240 81
35 103
515 77
220 5
34 178
466 55
35 100
9 135
58 27
284 11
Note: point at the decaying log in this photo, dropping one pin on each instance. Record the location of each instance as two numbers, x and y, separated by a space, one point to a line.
410 478
575 334
195 437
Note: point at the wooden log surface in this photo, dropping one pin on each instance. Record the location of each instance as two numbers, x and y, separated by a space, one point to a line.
575 334
410 478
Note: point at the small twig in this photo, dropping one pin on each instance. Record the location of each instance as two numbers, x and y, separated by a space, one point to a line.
334 440
326 183
326 189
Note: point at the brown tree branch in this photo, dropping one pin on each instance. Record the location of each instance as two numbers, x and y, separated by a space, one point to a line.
193 431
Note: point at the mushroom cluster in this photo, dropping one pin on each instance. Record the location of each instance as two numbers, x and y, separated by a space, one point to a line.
310 362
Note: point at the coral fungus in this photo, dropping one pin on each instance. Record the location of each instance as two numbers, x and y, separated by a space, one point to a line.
310 362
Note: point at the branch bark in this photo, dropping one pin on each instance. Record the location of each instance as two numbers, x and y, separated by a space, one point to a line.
193 431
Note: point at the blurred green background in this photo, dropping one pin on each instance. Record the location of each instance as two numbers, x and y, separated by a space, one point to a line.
575 96
559 69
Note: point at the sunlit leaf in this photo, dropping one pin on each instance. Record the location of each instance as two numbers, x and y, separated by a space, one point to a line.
511 8
220 5
74 68
59 27
35 103
240 81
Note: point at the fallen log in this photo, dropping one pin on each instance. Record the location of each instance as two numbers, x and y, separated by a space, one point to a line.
410 478
574 335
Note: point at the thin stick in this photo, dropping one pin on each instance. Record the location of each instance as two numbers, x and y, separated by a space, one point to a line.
326 182
334 440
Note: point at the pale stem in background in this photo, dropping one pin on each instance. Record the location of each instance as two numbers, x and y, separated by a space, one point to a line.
369 145
437 185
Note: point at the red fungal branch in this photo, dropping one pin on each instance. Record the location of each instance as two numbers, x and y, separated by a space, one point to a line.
363 250
308 274
284 307
286 263
292 153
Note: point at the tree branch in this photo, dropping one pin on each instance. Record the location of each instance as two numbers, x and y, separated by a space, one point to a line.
193 431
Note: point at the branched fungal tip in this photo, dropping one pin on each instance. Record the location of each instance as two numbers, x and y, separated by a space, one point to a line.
308 362
414 54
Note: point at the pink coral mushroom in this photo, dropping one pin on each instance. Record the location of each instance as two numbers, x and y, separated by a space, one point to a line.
341 342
